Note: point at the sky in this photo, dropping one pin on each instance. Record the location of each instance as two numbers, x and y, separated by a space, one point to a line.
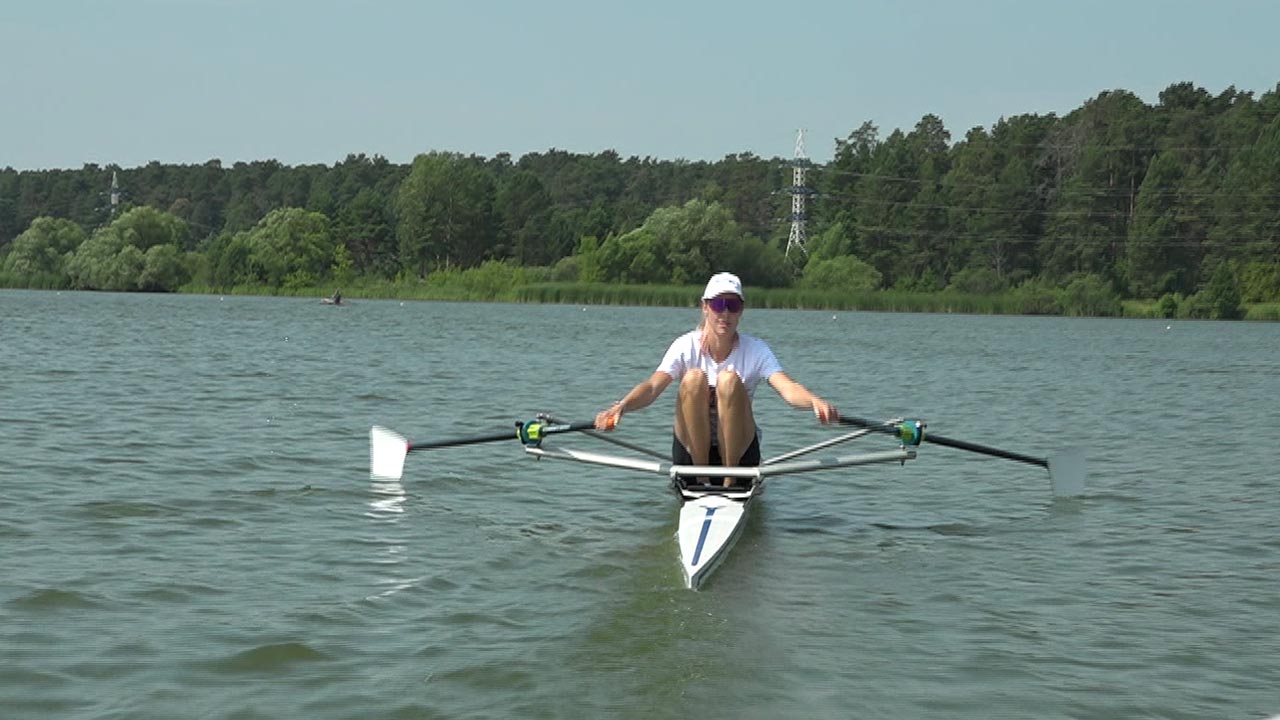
127 82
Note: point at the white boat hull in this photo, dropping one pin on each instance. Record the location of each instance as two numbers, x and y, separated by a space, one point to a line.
710 523
711 518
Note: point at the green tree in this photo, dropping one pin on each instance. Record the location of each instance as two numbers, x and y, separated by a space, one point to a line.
994 209
444 209
1223 294
588 260
632 258
1090 296
838 183
1249 225
146 227
106 262
44 248
685 245
977 281
1260 282
229 260
139 250
162 269
832 242
1162 251
1080 236
1101 153
674 245
846 273
929 242
522 208
1036 297
745 184
976 220
881 213
364 227
290 247
342 269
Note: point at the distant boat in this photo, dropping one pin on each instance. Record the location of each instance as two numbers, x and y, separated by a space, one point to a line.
333 301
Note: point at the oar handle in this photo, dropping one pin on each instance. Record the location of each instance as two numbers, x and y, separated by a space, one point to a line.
895 429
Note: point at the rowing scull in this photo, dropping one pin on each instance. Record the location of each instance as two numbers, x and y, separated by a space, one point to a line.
712 516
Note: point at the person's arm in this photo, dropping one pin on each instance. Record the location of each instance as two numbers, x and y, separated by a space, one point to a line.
641 396
800 396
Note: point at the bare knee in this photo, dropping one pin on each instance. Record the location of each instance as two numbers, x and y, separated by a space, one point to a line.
694 382
728 384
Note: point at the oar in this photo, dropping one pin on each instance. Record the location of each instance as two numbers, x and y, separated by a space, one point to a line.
1066 468
387 448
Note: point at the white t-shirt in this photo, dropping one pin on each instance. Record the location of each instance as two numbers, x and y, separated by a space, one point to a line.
750 358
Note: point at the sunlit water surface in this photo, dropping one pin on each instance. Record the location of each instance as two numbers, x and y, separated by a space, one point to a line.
188 529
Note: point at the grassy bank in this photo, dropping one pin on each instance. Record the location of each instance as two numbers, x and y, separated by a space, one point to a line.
651 296
1006 303
781 298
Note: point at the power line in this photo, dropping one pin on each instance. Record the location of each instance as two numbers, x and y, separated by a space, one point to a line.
1048 211
1087 192
1078 240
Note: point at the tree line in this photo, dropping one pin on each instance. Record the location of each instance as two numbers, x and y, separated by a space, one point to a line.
1163 201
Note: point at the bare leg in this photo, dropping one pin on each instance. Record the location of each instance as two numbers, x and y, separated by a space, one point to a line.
693 416
737 425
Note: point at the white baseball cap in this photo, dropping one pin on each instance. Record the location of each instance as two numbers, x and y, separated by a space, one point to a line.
722 283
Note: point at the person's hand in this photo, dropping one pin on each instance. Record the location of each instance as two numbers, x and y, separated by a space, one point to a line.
608 419
825 411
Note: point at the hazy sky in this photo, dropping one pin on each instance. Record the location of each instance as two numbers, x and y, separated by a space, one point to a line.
309 81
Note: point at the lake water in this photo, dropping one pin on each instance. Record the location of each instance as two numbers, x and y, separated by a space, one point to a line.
188 529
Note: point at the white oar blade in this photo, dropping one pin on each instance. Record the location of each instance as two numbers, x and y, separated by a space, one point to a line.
1067 471
387 449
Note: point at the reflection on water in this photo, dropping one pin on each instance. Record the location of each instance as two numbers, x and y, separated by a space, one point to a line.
390 505
385 507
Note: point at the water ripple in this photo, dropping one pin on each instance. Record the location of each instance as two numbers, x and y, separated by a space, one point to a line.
268 658
48 600
189 529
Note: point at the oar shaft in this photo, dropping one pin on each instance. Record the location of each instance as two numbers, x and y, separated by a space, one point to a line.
494 437
997 452
948 442
499 437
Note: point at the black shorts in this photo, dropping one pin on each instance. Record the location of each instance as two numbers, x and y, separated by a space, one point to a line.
681 456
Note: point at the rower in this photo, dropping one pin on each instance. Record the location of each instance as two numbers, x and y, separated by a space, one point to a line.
718 370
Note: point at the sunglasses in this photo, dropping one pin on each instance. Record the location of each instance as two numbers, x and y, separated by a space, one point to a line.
721 304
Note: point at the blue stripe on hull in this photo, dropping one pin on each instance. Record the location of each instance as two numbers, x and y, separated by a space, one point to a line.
702 537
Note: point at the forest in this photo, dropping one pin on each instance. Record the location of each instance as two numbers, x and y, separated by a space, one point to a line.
1173 207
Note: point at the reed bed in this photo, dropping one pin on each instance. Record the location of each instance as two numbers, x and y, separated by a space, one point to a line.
1012 302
